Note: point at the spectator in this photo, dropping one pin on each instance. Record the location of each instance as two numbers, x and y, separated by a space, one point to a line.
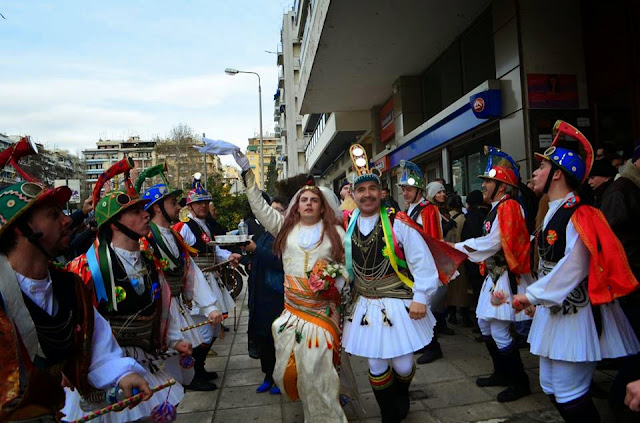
388 201
620 205
600 154
459 295
616 161
346 197
212 221
266 281
600 178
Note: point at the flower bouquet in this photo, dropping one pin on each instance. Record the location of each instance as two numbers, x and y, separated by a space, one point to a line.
324 274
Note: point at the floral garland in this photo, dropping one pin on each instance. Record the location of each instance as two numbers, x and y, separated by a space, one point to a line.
146 248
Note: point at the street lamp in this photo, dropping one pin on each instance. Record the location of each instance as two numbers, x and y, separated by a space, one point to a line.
233 72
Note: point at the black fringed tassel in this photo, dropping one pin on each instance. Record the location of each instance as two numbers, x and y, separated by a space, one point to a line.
386 319
364 321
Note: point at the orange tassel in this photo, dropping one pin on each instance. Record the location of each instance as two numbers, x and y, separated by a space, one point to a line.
309 342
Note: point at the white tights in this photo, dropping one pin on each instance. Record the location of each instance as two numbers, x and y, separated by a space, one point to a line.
403 365
498 330
565 379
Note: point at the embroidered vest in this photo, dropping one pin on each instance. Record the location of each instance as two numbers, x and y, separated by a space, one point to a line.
174 277
134 322
374 276
201 237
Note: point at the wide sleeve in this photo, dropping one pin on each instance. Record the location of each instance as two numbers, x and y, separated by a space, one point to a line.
420 262
108 363
480 249
222 254
204 297
186 234
568 273
266 215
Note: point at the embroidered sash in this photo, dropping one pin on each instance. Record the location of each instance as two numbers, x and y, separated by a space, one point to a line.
320 308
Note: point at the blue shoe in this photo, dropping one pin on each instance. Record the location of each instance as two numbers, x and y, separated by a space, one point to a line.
264 387
274 390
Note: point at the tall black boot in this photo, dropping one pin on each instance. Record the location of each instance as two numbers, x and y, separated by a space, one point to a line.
579 410
200 381
498 377
441 324
203 351
518 378
402 392
432 351
384 389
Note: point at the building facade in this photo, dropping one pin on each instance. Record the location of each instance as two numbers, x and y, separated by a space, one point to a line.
434 82
270 145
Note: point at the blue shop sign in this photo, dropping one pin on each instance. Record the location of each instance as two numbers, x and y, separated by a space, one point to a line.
480 108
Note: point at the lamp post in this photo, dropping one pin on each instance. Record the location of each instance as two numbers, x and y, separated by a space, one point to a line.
233 72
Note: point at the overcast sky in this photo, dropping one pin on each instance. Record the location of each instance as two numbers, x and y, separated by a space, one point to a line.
72 72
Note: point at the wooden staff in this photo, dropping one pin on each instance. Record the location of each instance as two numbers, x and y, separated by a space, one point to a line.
121 404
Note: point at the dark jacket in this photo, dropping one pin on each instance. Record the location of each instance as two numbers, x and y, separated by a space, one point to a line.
472 228
266 285
599 192
621 206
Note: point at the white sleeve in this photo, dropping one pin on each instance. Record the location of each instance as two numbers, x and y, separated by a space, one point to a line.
203 296
187 235
108 363
481 248
266 215
571 270
222 254
420 262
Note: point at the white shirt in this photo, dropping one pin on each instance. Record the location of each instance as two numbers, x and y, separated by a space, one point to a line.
309 236
108 364
417 255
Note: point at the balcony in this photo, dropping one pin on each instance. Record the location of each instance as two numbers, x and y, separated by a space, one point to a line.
333 134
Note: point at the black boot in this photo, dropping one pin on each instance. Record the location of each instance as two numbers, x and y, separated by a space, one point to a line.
203 351
441 324
453 318
467 320
579 410
384 389
402 392
200 381
518 378
498 377
432 352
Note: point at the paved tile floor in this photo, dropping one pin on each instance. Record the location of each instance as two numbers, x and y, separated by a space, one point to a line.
443 391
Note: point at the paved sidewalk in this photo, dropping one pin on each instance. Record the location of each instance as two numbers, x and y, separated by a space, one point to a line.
443 391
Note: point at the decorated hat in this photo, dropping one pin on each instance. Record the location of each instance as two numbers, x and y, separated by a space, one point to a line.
361 166
198 193
570 151
411 175
500 167
16 199
158 191
115 202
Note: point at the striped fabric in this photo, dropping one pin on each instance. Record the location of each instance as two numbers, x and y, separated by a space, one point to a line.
382 381
320 308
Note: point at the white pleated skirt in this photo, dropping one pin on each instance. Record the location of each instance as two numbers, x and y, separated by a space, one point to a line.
226 303
485 310
380 339
179 312
574 337
173 395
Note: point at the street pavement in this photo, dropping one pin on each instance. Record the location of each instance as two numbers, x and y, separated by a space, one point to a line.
443 391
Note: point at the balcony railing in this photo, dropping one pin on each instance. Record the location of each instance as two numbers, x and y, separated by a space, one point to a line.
316 135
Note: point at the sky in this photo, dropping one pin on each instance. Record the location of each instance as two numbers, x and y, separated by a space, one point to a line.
72 72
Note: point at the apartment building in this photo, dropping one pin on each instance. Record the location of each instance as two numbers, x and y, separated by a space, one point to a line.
433 82
270 146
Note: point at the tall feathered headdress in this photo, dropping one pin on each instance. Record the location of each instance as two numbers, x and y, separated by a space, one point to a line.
361 165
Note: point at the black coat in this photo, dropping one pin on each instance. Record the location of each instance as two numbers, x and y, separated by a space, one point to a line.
472 228
266 287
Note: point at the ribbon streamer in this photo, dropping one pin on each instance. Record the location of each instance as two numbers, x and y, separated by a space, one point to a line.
121 404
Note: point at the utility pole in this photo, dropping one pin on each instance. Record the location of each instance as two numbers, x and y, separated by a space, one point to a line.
204 157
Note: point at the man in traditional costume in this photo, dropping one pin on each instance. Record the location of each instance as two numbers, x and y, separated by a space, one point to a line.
427 215
307 333
582 270
131 291
50 334
394 278
504 251
196 233
187 283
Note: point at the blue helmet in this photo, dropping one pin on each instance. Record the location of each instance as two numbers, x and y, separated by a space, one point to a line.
158 192
576 162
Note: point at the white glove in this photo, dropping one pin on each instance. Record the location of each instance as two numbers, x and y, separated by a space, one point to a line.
242 160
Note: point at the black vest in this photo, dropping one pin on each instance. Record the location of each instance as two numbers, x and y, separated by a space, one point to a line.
200 244
415 213
56 333
173 276
552 241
